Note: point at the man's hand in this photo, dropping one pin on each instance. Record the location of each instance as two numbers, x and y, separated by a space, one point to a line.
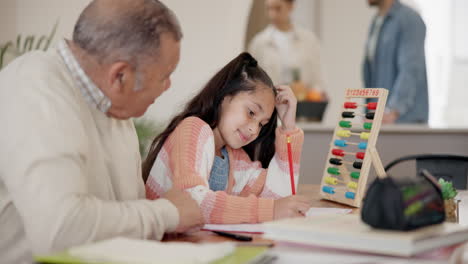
390 117
190 216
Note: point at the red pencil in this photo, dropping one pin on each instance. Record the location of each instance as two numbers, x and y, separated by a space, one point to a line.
291 169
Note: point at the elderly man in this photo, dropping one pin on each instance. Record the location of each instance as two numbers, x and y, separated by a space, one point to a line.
70 169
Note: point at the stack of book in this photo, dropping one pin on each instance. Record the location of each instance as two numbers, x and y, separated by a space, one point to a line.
348 232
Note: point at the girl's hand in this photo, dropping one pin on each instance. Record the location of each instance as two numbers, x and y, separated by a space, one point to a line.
286 104
291 206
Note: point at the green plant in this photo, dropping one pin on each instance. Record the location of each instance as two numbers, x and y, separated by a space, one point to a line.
146 131
448 192
23 45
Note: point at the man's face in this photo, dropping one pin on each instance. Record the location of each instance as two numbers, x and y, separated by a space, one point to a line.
148 82
278 11
156 77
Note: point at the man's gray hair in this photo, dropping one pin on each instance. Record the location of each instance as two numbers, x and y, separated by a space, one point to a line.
124 30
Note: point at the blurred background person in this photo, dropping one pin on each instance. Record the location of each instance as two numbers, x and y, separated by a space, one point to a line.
288 53
395 60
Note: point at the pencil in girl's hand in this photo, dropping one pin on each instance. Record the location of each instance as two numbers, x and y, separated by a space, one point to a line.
290 161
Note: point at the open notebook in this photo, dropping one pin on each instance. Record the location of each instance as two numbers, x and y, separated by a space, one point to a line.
124 250
348 232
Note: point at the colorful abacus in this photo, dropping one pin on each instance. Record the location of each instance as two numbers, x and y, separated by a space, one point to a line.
352 148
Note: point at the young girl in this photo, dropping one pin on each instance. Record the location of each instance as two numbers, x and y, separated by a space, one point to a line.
217 149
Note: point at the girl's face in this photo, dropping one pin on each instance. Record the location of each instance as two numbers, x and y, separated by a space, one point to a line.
243 116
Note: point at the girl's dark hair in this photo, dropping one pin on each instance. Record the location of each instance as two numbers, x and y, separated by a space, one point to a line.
242 74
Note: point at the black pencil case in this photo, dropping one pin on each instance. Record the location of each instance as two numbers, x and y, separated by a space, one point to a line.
403 203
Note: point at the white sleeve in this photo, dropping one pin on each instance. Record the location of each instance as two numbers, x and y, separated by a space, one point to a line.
42 166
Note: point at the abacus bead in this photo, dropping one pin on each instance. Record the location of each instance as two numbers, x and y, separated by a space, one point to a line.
360 155
364 135
370 115
346 124
343 133
335 161
334 171
372 105
338 152
357 164
352 185
340 143
355 174
331 180
348 115
367 126
328 189
362 145
350 105
349 195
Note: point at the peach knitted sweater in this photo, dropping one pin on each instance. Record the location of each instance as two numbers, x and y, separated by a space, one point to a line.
185 162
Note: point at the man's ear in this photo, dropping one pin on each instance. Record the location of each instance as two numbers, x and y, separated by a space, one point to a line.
120 76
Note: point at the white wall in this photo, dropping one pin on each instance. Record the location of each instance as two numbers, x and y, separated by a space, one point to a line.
304 14
436 15
7 25
456 106
214 34
39 17
29 17
7 19
343 26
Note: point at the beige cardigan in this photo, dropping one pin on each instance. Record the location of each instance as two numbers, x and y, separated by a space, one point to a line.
68 173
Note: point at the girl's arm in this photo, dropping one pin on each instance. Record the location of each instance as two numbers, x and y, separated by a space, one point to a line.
278 179
274 182
190 155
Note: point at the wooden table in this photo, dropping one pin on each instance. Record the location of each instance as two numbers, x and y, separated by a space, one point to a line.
284 252
309 190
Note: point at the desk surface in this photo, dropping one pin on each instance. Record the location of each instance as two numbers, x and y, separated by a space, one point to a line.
388 128
311 191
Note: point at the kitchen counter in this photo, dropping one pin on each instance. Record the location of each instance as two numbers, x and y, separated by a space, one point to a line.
394 141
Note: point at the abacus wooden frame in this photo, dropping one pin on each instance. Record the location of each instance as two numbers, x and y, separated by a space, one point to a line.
339 196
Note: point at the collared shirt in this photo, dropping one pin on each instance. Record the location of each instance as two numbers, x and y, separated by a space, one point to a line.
92 94
399 64
305 52
374 35
284 41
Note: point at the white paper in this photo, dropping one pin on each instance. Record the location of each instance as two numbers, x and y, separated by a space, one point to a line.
243 228
258 228
327 210
124 250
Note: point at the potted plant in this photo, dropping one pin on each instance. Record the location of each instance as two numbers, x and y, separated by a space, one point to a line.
146 131
451 203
